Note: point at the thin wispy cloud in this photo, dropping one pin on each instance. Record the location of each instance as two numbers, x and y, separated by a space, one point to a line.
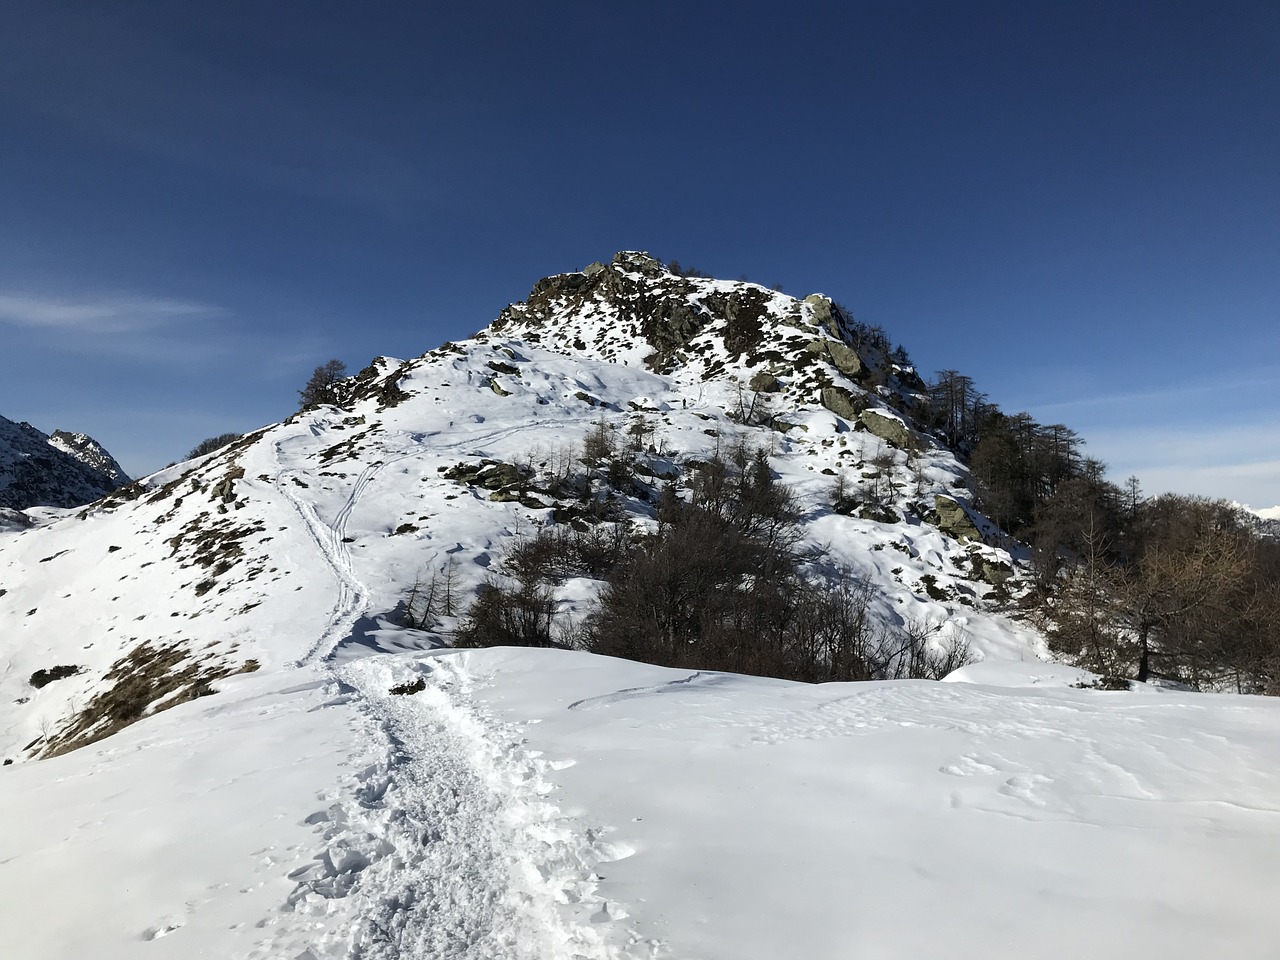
105 315
1206 459
1177 394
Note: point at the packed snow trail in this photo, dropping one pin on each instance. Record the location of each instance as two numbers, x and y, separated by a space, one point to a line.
448 847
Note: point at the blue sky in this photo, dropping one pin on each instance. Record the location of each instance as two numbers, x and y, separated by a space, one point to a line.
1077 204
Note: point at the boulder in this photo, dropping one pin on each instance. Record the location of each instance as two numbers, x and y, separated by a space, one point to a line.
841 402
499 475
843 358
992 571
765 382
490 474
14 519
887 428
515 495
638 262
820 308
953 518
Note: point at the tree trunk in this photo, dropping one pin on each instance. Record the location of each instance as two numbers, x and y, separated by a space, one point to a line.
1144 656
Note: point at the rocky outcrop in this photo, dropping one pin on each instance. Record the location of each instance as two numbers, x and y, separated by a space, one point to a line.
991 570
842 403
888 428
823 312
488 474
633 309
764 382
661 306
14 519
843 358
954 519
89 452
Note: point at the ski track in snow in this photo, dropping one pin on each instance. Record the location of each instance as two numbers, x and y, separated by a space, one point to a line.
331 538
447 847
353 596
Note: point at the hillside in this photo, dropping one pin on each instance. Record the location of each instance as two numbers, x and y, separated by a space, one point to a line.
231 639
436 465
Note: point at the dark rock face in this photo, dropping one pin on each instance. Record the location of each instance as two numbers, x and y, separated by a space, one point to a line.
63 470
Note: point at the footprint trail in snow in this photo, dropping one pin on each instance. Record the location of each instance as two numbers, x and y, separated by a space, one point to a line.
448 846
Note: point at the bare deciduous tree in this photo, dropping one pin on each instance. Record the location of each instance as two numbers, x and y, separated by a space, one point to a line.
320 388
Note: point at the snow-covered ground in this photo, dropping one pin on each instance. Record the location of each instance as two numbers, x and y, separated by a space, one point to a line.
550 804
352 791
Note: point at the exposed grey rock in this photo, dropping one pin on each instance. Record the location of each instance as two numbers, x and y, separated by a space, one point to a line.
843 358
14 519
639 262
991 571
887 428
224 490
489 475
841 402
821 308
953 518
89 452
515 495
764 382
689 321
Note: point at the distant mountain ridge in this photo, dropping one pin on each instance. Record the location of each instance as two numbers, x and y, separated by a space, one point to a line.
61 469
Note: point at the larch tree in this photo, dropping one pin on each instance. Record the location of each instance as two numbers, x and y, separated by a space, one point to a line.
321 387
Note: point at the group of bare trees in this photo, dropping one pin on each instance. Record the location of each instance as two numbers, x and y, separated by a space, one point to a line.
719 585
1184 590
1173 587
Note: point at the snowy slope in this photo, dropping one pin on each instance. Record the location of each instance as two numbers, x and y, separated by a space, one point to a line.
299 539
206 660
547 804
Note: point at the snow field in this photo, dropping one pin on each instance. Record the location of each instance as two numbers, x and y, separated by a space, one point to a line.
913 819
175 837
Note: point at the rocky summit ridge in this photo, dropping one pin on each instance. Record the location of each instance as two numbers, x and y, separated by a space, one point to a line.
634 308
317 539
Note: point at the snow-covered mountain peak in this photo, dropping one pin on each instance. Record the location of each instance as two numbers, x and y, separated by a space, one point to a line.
61 470
89 452
273 613
433 468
